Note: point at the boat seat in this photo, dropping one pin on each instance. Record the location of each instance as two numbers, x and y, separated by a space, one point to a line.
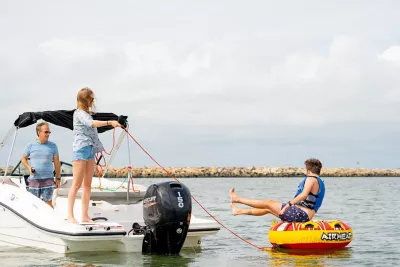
8 181
111 196
106 195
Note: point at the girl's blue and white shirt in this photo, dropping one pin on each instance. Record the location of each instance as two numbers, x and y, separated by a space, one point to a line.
84 133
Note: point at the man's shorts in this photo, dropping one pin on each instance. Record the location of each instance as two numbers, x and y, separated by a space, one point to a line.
84 153
43 188
294 214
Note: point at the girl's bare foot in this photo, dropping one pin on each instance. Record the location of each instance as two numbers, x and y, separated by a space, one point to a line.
234 196
72 220
87 219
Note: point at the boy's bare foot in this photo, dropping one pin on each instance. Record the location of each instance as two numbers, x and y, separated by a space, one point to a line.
235 210
234 196
72 220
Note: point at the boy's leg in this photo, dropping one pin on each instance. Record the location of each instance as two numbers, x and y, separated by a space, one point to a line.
273 206
252 211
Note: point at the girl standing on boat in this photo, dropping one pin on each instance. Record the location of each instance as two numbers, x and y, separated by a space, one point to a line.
85 145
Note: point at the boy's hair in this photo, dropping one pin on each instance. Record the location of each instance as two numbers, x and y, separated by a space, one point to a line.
39 126
313 165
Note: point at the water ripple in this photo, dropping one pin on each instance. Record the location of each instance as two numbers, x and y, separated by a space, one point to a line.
368 205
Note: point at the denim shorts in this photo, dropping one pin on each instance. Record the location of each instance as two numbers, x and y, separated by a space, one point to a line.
84 153
294 214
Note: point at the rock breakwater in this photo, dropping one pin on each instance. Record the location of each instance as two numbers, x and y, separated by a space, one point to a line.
147 172
143 172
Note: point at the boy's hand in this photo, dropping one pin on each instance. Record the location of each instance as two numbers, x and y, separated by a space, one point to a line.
285 208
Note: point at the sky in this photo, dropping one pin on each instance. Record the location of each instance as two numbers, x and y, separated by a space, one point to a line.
212 83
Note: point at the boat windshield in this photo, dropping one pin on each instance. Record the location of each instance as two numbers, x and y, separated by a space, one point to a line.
20 170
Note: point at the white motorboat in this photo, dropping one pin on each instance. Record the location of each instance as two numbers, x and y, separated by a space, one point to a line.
25 220
153 219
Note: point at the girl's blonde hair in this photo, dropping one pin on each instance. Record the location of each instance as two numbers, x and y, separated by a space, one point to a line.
85 100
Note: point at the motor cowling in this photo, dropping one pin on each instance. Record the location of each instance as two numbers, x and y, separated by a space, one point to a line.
167 209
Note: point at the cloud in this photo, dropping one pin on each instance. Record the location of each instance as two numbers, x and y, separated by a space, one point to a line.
70 50
158 58
244 84
392 55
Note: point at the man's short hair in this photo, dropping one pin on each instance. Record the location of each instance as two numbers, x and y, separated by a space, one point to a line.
313 165
39 126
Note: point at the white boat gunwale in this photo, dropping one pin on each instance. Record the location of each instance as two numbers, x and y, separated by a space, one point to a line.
89 233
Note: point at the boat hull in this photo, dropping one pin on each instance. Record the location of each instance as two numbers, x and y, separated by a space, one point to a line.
26 221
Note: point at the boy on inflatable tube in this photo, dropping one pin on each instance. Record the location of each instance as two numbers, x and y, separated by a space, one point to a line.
302 208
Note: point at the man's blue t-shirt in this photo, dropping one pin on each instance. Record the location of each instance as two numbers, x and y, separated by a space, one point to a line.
41 157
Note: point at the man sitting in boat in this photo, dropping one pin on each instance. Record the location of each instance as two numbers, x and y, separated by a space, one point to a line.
301 208
42 153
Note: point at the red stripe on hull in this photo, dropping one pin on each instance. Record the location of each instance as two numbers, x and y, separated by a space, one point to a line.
313 245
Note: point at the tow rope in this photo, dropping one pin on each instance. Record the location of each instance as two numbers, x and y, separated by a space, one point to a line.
130 176
173 176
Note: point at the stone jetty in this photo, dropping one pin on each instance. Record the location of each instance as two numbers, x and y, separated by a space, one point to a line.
143 172
148 172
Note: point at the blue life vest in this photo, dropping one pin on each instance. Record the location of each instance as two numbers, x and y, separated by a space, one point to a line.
312 201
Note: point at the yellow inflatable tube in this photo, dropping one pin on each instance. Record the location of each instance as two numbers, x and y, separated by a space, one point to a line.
310 235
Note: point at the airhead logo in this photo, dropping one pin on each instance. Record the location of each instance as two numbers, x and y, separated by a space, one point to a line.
336 236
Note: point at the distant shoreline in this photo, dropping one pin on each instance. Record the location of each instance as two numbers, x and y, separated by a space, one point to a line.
149 172
144 172
205 172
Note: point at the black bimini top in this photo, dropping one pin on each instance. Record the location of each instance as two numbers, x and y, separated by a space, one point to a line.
64 118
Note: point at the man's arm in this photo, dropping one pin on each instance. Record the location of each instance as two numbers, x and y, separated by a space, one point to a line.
24 161
57 167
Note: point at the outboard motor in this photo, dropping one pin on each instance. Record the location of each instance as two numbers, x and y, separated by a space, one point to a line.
167 208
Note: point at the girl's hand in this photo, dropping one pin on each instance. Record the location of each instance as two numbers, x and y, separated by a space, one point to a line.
115 124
